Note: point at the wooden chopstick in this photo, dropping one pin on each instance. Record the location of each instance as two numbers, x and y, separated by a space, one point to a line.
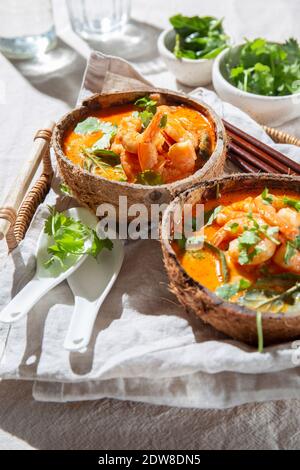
248 157
245 166
275 165
259 152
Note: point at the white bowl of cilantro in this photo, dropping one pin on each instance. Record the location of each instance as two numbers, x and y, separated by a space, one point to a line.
190 47
261 78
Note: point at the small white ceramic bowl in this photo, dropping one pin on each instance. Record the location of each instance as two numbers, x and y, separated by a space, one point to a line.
267 110
190 72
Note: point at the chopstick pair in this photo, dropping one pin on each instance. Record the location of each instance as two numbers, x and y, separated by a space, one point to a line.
253 156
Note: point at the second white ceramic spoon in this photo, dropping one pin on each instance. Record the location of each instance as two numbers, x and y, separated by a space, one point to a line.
90 285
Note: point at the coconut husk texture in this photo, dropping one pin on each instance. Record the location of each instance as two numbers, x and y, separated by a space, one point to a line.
235 321
93 190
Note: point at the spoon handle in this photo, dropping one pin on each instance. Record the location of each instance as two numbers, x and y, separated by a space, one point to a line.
82 323
23 302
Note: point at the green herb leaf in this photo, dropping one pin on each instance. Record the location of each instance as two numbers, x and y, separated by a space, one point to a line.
227 291
163 121
292 203
146 117
266 68
146 103
234 227
149 178
150 108
249 238
71 237
198 37
88 126
108 156
210 216
103 143
246 245
292 247
290 251
64 188
267 197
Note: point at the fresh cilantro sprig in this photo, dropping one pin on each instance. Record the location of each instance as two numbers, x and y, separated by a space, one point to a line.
71 237
292 247
249 239
266 68
227 291
267 197
149 108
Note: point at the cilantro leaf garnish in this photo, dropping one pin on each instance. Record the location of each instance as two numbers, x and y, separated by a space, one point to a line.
234 227
266 68
163 121
71 237
291 249
249 238
146 118
227 291
94 124
149 109
267 197
292 203
146 103
88 126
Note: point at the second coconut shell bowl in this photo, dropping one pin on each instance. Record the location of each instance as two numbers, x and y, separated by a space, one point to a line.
234 320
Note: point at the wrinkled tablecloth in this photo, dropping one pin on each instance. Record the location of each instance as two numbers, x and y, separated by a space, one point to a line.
271 425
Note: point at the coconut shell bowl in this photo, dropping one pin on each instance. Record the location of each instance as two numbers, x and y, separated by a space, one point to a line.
92 189
231 318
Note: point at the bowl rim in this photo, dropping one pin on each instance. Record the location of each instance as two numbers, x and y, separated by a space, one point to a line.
208 184
217 72
220 147
167 53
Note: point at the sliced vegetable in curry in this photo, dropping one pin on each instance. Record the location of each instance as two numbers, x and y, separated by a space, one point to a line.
148 142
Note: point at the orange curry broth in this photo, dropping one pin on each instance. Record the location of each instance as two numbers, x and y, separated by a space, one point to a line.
206 268
74 142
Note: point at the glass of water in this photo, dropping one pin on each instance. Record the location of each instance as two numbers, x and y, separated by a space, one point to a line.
92 19
106 26
26 28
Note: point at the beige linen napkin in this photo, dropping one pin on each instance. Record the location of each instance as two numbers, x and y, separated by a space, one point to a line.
144 346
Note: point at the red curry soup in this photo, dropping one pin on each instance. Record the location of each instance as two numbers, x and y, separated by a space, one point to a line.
144 143
250 250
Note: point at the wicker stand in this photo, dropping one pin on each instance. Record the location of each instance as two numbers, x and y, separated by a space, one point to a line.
19 208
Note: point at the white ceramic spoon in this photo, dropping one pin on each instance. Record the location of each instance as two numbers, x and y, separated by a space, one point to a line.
45 279
90 285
